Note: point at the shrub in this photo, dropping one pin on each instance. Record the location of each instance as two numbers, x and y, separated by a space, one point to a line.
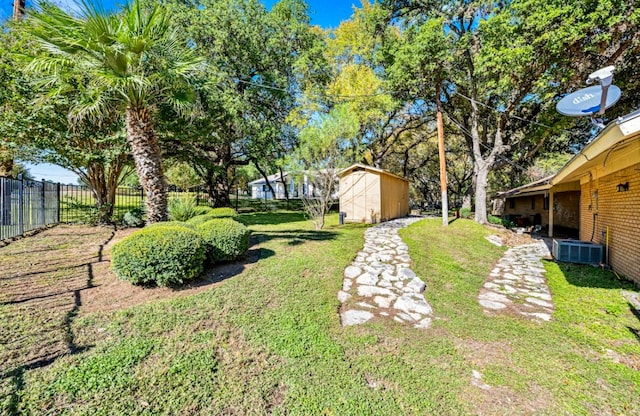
499 221
172 224
215 213
465 212
164 254
202 210
225 238
133 218
182 208
223 212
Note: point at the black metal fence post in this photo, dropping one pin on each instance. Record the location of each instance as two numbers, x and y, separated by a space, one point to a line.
42 204
20 203
58 202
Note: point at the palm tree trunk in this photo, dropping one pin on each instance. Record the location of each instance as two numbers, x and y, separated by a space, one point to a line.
146 156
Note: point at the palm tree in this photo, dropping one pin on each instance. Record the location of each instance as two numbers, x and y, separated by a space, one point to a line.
128 63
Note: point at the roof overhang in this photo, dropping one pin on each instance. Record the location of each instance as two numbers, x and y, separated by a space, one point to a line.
539 187
360 166
616 147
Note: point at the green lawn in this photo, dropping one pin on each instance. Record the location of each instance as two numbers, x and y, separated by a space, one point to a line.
269 341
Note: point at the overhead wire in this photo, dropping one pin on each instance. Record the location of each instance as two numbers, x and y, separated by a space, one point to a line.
356 96
510 115
504 159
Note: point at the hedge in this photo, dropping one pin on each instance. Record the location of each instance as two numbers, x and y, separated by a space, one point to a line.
215 213
166 254
225 238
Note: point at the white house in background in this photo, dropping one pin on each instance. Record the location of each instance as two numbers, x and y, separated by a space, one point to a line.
297 185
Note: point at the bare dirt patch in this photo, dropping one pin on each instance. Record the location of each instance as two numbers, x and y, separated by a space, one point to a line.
49 279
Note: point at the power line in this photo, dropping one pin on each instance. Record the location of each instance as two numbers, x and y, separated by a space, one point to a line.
504 159
510 115
356 96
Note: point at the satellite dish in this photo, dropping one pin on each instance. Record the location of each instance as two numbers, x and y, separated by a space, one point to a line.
587 101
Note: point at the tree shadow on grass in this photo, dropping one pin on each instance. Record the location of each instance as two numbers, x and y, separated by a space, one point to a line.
39 344
271 218
595 277
223 271
295 237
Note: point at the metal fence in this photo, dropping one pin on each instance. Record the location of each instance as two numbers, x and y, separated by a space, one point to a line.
26 205
78 205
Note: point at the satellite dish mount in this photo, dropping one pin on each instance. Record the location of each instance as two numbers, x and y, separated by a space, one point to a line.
592 101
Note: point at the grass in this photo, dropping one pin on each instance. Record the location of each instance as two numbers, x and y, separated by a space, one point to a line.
269 341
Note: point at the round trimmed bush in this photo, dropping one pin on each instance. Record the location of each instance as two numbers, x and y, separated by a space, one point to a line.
213 214
223 212
183 224
226 239
202 210
164 254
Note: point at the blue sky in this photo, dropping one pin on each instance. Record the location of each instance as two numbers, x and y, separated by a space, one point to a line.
325 13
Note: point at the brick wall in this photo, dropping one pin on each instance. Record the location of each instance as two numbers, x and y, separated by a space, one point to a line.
523 208
566 214
602 206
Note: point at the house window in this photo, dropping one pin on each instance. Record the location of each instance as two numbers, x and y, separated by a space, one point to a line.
545 203
533 202
512 203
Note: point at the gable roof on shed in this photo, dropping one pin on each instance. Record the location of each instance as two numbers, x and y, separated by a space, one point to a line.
360 166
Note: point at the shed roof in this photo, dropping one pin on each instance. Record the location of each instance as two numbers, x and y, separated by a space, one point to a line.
360 166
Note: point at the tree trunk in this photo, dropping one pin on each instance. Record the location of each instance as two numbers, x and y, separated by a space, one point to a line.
466 200
146 156
266 178
284 184
482 174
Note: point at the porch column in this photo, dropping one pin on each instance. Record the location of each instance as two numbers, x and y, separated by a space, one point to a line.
551 212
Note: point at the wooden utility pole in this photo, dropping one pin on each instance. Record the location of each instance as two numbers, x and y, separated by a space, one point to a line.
443 162
18 9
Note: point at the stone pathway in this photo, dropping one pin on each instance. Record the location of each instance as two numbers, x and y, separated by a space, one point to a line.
517 284
380 281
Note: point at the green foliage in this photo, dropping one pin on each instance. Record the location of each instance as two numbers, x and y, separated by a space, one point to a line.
171 224
202 210
182 175
162 254
213 213
465 212
226 239
182 208
499 221
133 218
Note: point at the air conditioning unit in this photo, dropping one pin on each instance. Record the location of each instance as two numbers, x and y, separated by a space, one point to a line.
574 251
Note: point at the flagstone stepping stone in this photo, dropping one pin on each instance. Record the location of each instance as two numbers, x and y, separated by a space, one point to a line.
489 304
381 272
517 284
355 317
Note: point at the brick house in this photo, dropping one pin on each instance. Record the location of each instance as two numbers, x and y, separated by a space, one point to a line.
528 205
608 173
599 191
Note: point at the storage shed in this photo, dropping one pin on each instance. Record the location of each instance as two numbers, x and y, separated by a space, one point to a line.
372 195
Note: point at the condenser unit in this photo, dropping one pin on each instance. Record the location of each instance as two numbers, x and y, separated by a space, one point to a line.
574 251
